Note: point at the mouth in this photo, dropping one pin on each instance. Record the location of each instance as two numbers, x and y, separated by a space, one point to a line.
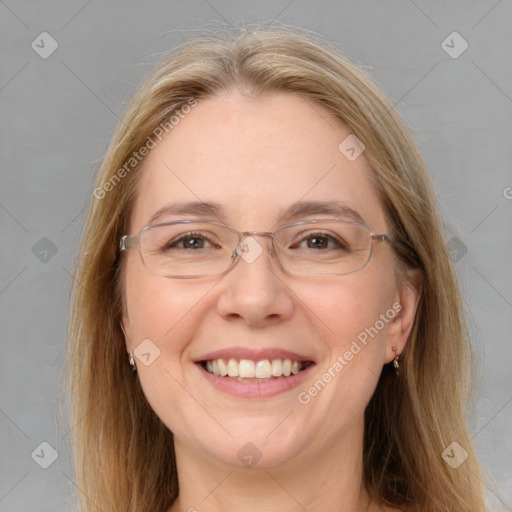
249 370
249 373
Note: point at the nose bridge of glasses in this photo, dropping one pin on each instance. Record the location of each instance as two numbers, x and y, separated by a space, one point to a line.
245 234
249 248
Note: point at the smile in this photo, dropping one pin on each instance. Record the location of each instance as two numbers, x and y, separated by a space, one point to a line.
248 370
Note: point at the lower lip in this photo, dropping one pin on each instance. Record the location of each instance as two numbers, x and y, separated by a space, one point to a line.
265 389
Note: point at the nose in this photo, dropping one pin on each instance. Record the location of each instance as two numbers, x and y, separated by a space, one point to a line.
253 291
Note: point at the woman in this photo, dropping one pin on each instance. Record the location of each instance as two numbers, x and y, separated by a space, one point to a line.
265 315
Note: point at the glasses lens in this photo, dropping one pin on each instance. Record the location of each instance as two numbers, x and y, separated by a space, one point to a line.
187 249
323 247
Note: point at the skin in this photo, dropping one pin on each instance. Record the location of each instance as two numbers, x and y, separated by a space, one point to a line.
257 156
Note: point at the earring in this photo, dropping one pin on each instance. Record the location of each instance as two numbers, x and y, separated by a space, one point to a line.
395 361
131 360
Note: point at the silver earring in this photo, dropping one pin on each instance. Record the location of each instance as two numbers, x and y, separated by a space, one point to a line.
131 360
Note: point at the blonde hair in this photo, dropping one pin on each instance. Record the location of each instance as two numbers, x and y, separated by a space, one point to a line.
124 455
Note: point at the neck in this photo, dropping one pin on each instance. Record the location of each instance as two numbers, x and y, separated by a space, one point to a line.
326 480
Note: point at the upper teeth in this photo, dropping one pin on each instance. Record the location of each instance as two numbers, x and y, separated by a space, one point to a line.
248 369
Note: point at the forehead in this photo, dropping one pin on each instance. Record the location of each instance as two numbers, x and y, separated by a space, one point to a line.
254 157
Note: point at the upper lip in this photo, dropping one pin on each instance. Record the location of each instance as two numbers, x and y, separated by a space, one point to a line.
252 354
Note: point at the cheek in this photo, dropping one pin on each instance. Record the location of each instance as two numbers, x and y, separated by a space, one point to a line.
352 307
158 307
353 320
163 317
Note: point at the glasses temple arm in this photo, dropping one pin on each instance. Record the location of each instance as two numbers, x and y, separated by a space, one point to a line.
383 239
128 242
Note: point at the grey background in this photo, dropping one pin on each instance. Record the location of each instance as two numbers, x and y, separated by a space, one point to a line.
59 113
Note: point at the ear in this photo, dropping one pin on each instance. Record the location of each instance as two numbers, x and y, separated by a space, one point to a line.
406 300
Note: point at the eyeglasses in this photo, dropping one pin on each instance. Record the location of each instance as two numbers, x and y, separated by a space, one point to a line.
194 248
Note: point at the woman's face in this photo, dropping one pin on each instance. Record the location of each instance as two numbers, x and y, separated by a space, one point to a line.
256 157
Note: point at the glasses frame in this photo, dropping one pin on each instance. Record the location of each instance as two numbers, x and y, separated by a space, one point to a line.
128 242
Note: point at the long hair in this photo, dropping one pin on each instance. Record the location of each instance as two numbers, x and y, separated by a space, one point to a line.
124 454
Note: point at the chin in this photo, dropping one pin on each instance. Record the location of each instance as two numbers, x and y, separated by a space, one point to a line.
260 444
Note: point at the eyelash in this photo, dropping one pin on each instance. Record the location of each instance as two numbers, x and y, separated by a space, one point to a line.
339 242
183 237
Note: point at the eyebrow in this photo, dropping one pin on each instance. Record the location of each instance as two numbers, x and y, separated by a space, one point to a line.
297 210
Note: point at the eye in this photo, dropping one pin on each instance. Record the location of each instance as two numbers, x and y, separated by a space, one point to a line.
321 241
190 241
